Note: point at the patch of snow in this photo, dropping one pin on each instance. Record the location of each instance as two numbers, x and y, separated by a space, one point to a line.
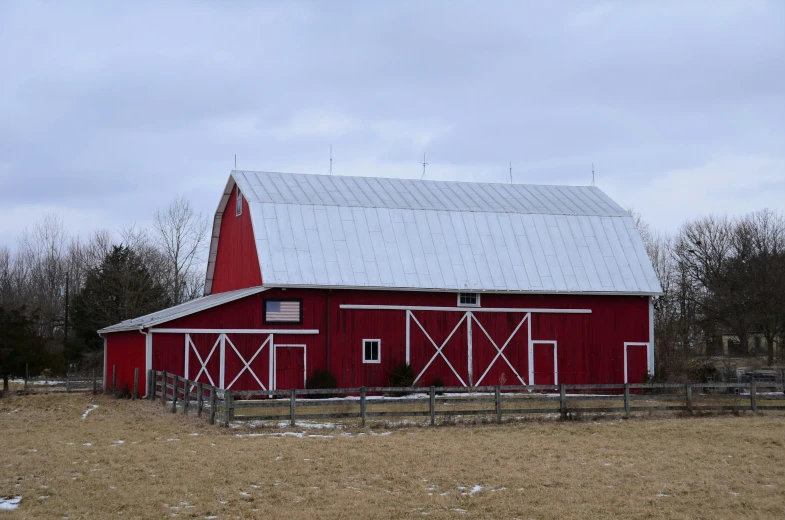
9 504
87 444
173 439
89 409
662 495
461 511
193 434
12 411
607 464
210 517
117 443
243 493
43 497
315 436
734 493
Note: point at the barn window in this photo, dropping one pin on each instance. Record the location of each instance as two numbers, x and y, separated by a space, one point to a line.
239 203
283 311
372 351
468 299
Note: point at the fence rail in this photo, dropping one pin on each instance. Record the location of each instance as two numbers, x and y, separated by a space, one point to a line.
363 403
69 383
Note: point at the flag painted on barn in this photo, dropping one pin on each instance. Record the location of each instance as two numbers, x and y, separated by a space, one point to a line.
282 311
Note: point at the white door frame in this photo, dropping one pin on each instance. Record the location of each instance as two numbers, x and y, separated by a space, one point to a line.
275 362
555 358
636 344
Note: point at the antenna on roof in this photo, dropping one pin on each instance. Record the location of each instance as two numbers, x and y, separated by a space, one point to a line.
235 161
424 164
331 159
510 173
592 174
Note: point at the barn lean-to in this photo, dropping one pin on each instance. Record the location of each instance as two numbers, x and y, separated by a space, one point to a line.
470 283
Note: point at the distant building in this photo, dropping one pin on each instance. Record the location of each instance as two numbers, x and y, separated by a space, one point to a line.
756 345
472 284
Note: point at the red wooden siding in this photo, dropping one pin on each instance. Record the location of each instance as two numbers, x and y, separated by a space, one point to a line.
590 347
126 351
637 363
236 261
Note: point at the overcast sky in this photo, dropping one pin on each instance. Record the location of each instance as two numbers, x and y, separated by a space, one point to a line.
109 112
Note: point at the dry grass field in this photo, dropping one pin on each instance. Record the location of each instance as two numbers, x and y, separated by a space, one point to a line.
134 460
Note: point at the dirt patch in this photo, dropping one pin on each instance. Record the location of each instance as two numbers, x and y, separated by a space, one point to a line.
136 460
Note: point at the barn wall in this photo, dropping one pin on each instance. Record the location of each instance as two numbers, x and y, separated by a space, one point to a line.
126 350
236 262
590 347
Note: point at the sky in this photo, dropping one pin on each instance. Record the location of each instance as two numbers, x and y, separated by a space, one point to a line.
109 110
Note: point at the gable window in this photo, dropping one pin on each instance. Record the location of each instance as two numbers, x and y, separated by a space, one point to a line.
372 351
239 203
283 311
468 299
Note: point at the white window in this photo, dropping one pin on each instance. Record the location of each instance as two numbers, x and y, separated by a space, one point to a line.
239 205
468 299
372 351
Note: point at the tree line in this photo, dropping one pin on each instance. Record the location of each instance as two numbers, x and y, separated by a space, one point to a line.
57 289
721 277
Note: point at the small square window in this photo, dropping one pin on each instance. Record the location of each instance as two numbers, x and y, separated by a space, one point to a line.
239 203
372 351
468 299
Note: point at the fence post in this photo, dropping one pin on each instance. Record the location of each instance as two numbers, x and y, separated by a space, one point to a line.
362 406
563 401
175 383
199 399
114 378
95 383
228 406
27 375
292 407
164 377
432 406
150 382
688 394
67 383
136 383
498 401
754 396
627 400
186 395
212 405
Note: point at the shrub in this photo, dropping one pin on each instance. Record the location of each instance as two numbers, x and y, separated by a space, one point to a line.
321 379
402 376
124 392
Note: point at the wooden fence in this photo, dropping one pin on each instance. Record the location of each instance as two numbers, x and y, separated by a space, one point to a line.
69 383
386 403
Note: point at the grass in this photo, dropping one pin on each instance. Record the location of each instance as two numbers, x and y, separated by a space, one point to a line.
64 465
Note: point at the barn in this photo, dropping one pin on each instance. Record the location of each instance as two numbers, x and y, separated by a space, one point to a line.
469 283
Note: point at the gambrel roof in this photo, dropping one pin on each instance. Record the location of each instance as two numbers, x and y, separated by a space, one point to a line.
359 232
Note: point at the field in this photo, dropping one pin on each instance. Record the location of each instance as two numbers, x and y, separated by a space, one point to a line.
134 460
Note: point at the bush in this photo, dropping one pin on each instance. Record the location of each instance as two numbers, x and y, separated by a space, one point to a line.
402 375
437 382
124 392
321 379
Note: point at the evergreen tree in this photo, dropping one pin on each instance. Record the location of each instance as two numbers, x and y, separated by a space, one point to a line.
20 344
121 288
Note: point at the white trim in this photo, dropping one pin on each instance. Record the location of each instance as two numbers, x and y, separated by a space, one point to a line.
469 346
378 351
105 374
454 289
187 355
247 364
222 373
271 377
531 349
305 360
461 309
635 344
236 331
148 357
651 336
439 349
499 351
555 358
476 295
408 337
238 202
204 362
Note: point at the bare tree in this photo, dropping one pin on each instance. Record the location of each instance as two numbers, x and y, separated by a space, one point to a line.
182 236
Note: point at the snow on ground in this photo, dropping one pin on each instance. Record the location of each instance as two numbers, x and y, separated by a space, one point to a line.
90 409
9 504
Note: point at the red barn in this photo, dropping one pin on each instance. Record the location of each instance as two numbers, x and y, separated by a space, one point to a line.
470 283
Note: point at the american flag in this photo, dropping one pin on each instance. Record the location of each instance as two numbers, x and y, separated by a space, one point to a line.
282 311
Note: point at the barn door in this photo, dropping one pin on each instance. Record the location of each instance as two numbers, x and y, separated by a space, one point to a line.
289 366
545 363
636 362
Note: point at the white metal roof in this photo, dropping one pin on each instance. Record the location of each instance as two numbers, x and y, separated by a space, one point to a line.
184 309
332 231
